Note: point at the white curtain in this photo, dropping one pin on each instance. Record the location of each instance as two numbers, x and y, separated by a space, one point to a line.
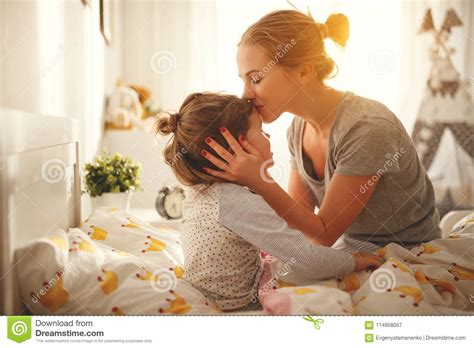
170 47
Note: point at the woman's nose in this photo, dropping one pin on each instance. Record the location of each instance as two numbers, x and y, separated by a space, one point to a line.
248 93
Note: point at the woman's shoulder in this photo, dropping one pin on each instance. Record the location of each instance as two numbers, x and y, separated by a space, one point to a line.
293 133
357 112
357 108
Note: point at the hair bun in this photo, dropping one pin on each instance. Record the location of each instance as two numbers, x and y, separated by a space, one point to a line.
336 28
174 118
167 124
324 30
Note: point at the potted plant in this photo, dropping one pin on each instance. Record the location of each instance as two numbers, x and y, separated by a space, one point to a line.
111 179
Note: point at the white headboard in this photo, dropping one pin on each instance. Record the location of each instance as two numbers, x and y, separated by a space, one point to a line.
39 187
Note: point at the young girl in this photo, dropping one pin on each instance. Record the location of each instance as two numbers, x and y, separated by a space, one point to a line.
225 226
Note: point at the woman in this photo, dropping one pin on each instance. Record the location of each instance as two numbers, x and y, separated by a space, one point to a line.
350 156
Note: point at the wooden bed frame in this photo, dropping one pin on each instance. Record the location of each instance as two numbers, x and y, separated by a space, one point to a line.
40 188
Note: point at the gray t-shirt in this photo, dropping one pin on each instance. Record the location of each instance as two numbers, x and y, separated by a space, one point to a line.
366 138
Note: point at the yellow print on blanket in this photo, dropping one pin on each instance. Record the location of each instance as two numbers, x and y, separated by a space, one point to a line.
461 273
177 306
421 278
154 244
427 249
82 245
98 233
131 224
117 311
399 265
56 296
440 285
178 271
149 276
303 291
109 282
409 291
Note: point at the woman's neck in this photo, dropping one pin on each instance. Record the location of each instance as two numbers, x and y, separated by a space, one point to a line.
317 104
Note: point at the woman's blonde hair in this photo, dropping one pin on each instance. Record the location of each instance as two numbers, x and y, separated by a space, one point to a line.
292 38
201 115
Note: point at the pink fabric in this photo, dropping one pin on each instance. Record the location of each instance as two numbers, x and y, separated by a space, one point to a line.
277 303
273 302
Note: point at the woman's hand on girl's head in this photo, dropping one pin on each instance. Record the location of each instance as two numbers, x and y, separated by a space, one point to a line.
243 166
365 260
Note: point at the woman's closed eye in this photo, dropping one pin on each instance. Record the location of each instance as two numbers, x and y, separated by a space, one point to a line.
255 80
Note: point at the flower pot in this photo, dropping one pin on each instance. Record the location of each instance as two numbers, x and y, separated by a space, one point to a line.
119 200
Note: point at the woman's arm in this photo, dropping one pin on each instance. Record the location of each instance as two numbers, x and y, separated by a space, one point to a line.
343 202
249 216
344 199
263 228
298 191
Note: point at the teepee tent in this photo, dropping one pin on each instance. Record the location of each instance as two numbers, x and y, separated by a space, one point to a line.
444 129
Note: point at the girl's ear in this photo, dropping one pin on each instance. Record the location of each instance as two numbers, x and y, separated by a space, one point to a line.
305 72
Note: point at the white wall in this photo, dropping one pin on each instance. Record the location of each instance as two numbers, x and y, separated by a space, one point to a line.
54 61
179 35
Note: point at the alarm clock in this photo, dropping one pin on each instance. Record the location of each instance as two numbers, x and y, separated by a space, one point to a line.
169 202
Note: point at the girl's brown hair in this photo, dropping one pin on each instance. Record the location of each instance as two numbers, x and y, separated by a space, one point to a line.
201 115
292 38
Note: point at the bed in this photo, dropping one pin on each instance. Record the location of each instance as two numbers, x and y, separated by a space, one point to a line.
115 263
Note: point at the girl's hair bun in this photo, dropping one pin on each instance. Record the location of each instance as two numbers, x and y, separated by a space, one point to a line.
167 124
